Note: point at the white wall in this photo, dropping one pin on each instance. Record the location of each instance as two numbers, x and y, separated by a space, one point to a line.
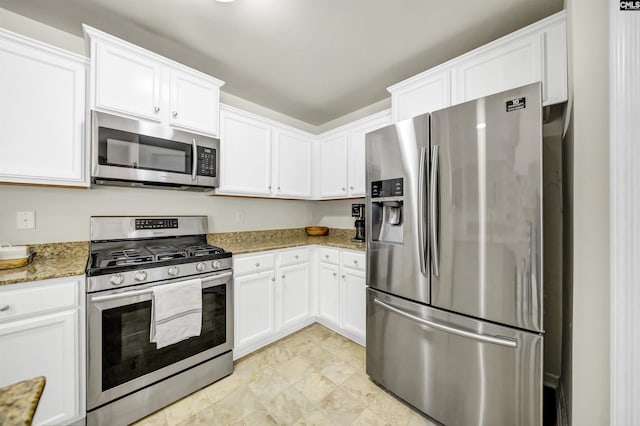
335 213
63 214
589 55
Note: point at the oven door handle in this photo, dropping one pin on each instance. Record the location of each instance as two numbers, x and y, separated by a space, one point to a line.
149 290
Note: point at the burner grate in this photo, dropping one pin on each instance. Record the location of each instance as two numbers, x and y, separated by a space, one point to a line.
203 250
167 252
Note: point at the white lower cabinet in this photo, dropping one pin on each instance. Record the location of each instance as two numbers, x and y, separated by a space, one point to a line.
272 297
293 297
45 341
342 293
329 294
254 308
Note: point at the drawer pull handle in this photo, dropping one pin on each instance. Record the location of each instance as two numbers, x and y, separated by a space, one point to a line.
355 261
4 308
257 264
297 256
326 255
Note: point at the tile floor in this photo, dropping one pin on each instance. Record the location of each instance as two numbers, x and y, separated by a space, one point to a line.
313 377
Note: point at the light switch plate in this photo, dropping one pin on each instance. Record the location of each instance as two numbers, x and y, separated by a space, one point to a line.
26 220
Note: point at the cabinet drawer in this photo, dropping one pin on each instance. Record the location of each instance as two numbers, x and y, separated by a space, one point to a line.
253 264
354 260
26 299
291 257
329 255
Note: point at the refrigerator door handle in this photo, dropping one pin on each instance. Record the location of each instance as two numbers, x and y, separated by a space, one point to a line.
503 341
421 210
433 216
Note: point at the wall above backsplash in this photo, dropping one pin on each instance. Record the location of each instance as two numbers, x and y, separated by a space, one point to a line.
63 214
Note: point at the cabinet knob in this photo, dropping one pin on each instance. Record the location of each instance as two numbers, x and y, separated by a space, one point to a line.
175 114
326 255
278 188
273 279
4 308
355 261
269 187
156 109
344 189
351 187
344 277
283 277
297 256
257 264
335 274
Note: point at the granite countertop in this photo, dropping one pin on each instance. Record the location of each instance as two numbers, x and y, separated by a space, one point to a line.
255 241
54 260
57 260
19 401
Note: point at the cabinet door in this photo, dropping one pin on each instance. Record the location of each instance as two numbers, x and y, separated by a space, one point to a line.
42 115
292 165
127 82
294 306
354 302
254 308
333 166
357 165
45 346
511 64
194 103
426 92
245 155
329 293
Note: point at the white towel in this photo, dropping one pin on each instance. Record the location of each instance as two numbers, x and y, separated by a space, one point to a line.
176 312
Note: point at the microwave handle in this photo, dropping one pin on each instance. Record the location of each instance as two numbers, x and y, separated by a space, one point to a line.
194 166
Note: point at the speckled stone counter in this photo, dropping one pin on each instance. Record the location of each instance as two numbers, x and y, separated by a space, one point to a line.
18 402
254 241
54 260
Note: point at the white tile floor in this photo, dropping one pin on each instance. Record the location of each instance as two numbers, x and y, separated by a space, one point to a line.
313 377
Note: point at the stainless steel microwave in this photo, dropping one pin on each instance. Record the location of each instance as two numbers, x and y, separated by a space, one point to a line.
128 152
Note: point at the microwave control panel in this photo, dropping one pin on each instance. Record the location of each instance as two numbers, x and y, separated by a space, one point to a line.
206 162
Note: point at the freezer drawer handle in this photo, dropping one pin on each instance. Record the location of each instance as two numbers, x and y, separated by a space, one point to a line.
448 329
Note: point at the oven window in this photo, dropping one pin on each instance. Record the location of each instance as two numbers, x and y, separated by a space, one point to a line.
124 149
127 353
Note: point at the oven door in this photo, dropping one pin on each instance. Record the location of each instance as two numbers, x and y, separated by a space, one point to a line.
120 357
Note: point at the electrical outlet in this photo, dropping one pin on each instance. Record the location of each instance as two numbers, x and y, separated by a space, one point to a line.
26 220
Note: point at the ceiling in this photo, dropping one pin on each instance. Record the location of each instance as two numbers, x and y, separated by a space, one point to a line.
314 60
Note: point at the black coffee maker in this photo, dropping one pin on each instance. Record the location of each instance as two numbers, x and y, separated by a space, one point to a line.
357 211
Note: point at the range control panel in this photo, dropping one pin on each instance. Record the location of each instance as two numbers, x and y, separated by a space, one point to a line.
156 223
206 161
387 188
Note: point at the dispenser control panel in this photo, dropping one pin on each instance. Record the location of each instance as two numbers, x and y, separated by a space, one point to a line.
387 188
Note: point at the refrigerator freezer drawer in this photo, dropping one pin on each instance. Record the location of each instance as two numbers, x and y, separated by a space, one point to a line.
457 370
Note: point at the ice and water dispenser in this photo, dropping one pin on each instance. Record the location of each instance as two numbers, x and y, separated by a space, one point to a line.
386 210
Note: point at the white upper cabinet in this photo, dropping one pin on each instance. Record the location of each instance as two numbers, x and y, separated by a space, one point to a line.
262 158
194 102
535 53
291 165
357 160
42 113
333 166
129 80
342 157
245 155
421 94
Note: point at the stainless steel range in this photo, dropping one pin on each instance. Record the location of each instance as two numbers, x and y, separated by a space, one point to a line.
128 377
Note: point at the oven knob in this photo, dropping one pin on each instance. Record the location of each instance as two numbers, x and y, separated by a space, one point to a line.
216 264
140 276
117 279
200 267
173 271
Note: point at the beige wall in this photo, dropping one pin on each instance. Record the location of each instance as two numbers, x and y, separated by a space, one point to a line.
63 214
588 47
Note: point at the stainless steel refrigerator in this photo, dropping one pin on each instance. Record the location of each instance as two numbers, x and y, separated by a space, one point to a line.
454 260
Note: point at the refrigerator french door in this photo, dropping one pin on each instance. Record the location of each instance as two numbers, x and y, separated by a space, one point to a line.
455 327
